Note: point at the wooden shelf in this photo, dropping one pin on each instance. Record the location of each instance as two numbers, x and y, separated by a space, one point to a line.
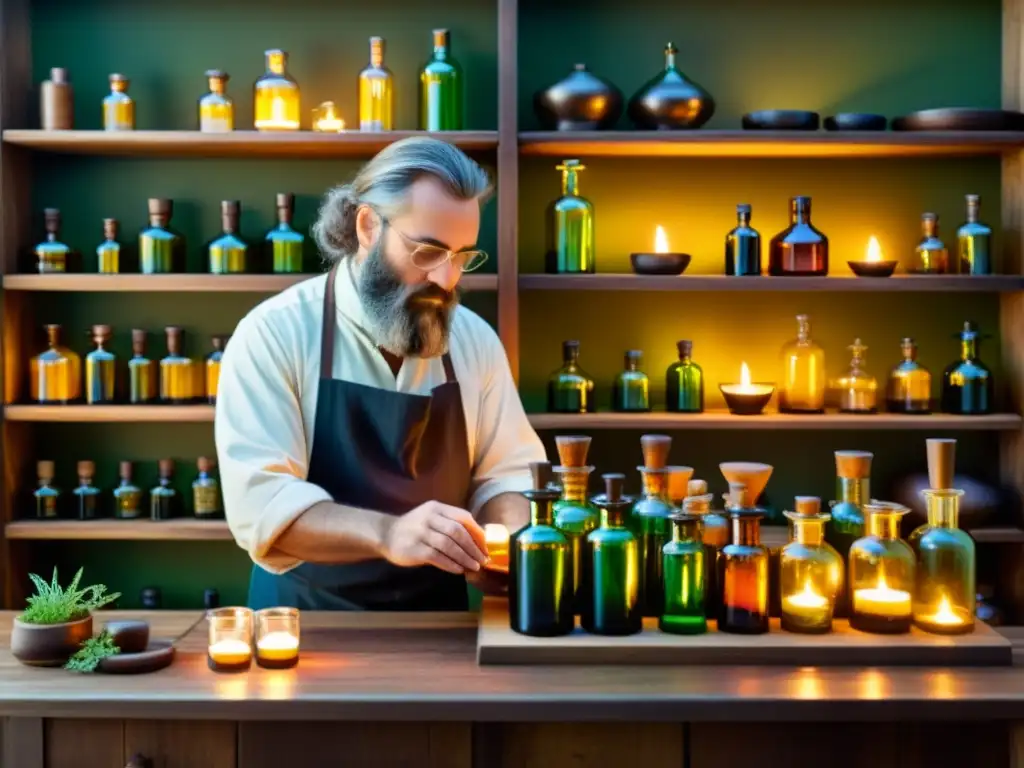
767 144
186 529
246 144
110 413
778 535
898 283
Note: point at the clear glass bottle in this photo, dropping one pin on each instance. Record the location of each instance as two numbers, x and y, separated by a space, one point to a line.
631 390
442 96
52 255
810 571
101 369
216 109
161 249
932 257
164 502
86 496
220 343
143 373
108 253
881 573
229 253
284 244
799 249
974 242
743 576
684 569
127 495
206 499
276 98
650 521
118 106
47 495
571 248
967 385
56 372
910 384
743 246
574 515
803 372
715 533
177 378
684 382
540 587
376 92
570 388
856 391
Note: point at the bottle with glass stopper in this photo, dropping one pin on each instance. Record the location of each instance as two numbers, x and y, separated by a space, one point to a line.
52 255
803 372
574 515
743 246
164 502
86 496
47 495
967 385
974 242
684 382
631 389
441 88
650 520
213 360
881 573
143 372
101 369
540 587
216 109
856 391
228 254
743 570
284 243
570 388
932 256
571 248
127 495
811 572
909 389
108 253
177 379
118 106
56 372
276 97
715 533
206 500
684 578
376 92
161 249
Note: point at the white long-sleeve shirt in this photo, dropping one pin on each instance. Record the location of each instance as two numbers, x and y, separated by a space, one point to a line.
266 407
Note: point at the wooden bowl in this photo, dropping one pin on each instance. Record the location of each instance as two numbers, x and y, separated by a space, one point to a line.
48 645
659 263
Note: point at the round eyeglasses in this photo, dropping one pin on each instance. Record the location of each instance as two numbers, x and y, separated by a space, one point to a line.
428 257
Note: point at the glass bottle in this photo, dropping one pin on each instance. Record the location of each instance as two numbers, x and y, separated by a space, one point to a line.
881 573
108 253
228 254
56 372
101 369
206 500
276 96
684 382
743 246
571 248
52 255
213 360
47 496
650 521
910 384
283 243
684 569
974 242
570 388
631 390
143 375
743 575
856 391
853 491
216 109
177 379
127 495
118 107
161 249
967 386
612 567
376 92
574 515
86 495
803 372
799 249
442 88
540 594
810 571
932 257
715 533
163 498
57 101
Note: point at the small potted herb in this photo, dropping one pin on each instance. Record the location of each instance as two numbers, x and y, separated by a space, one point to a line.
57 621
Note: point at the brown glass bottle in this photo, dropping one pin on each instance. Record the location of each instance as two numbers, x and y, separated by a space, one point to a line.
177 378
743 576
143 375
164 501
799 249
86 495
47 496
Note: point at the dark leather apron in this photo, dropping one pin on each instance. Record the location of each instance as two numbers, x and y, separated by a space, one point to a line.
386 451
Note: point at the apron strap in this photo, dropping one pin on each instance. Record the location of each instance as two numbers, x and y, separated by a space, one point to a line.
449 370
329 321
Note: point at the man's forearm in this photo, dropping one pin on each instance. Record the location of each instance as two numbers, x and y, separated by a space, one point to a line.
329 533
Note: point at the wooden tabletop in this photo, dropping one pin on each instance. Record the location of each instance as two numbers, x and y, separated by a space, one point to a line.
379 667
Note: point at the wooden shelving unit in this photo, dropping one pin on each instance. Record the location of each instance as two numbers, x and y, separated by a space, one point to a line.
183 529
764 284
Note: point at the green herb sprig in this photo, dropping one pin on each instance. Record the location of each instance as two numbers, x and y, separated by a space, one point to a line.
53 604
92 652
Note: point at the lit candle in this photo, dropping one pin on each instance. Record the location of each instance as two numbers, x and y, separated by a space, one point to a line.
230 652
874 253
873 264
496 537
326 119
746 398
806 603
882 601
277 646
944 615
660 240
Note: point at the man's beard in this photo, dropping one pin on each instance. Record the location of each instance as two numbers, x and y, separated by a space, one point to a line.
405 320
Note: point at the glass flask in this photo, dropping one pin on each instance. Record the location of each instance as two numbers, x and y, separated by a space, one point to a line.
684 382
216 109
743 246
127 495
441 88
56 372
743 576
856 391
47 495
100 369
932 257
108 253
376 92
284 244
177 379
910 384
118 107
612 567
881 573
164 502
803 372
715 534
86 496
276 99
684 571
570 234
574 515
540 566
143 373
52 255
631 389
799 249
206 500
974 242
650 521
228 253
570 388
161 249
810 571
967 385
853 491
213 361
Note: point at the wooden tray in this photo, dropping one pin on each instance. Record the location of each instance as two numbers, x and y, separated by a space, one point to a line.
498 644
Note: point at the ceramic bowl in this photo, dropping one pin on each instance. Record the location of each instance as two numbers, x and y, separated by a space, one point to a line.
659 263
48 645
782 120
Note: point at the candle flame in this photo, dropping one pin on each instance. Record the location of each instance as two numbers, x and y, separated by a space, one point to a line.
874 250
660 240
744 375
945 614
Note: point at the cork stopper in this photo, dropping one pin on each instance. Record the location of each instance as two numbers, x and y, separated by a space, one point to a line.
376 51
110 228
685 348
118 82
696 488
51 220
230 210
613 484
853 465
124 470
441 38
941 462
86 470
204 464
52 334
139 341
679 483
570 349
174 337
540 472
166 467
217 79
59 75
808 506
219 341
46 470
160 206
101 333
736 495
655 449
572 450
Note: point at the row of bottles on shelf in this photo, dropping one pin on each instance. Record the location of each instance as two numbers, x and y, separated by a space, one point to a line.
277 103
57 378
613 560
967 384
126 501
161 249
798 250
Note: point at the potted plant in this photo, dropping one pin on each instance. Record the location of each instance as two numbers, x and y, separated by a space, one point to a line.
57 621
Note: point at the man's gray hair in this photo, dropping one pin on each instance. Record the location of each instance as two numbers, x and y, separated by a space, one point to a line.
384 182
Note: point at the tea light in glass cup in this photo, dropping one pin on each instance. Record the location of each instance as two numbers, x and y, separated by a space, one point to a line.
277 637
230 640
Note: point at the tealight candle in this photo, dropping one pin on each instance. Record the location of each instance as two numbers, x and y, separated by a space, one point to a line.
873 265
326 119
883 602
277 637
230 639
807 607
745 398
496 537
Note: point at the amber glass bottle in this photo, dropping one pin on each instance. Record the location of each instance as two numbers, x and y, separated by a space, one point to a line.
612 567
376 92
974 242
631 390
108 253
743 576
932 257
441 88
743 246
650 521
216 109
800 249
86 496
684 382
803 372
47 496
570 248
118 106
910 384
284 244
164 502
213 359
570 388
881 573
52 255
856 391
101 369
161 249
574 515
276 97
206 499
127 495
177 378
229 253
56 372
967 385
143 373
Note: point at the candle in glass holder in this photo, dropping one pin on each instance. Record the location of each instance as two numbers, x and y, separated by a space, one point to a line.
882 601
326 119
745 398
277 637
230 639
496 537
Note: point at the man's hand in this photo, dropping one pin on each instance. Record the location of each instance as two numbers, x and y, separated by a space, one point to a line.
439 535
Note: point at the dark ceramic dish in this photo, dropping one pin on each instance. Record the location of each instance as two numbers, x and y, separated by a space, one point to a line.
582 101
744 404
781 120
873 268
158 655
48 645
659 263
956 119
856 121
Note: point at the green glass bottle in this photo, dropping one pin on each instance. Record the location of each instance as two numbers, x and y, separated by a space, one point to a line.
574 515
570 388
161 249
47 496
685 570
108 253
540 583
853 491
974 242
164 502
127 495
52 255
100 369
743 246
631 390
967 386
442 88
743 574
283 243
86 495
571 226
715 533
650 520
143 373
228 254
612 567
684 382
